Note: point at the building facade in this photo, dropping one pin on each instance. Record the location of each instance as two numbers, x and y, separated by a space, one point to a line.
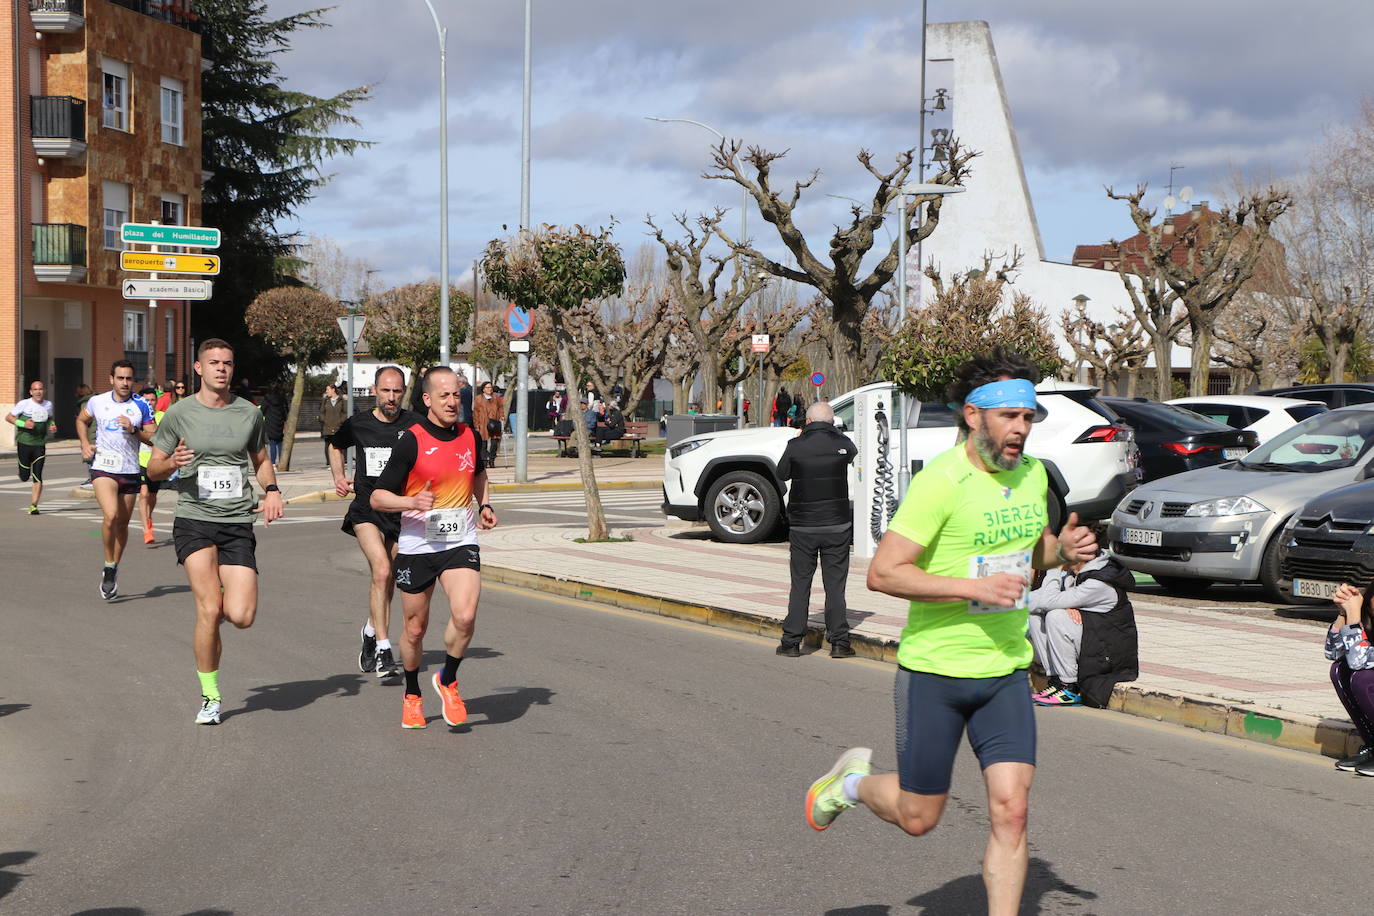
102 104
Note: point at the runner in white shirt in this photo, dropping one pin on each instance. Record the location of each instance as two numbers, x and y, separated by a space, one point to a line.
121 421
33 423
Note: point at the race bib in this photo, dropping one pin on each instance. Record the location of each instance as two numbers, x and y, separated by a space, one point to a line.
38 415
375 460
446 524
106 461
1017 563
223 482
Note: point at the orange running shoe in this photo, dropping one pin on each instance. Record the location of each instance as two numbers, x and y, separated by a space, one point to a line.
412 712
455 713
148 536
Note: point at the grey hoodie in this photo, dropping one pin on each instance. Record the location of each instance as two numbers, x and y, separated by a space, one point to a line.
1059 591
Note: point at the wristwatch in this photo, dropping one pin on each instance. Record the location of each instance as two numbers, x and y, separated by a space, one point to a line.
271 488
482 506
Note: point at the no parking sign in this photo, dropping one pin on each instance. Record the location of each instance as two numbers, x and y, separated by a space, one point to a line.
818 379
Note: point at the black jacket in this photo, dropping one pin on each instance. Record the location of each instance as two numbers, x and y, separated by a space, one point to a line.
274 416
817 462
1110 651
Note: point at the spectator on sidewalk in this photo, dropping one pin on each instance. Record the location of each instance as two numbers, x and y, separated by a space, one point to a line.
557 404
782 403
817 464
464 400
1082 629
274 422
618 393
486 422
333 411
1352 669
590 395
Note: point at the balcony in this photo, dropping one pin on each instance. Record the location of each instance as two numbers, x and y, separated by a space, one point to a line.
57 15
59 252
58 125
175 12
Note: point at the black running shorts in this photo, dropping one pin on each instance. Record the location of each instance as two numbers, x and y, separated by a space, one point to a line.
389 523
127 484
152 485
416 572
31 461
235 541
933 711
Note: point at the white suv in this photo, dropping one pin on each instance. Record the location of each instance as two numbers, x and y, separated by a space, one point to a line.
729 479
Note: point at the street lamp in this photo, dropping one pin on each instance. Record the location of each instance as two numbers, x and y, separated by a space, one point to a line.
522 360
743 228
1081 302
443 185
904 471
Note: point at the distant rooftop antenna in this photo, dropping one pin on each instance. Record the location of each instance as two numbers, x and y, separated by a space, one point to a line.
1170 201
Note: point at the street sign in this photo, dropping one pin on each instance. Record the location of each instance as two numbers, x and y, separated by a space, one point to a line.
818 379
351 326
760 343
151 234
518 321
169 263
520 346
196 290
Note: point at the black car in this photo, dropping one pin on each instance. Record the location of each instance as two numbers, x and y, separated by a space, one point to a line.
1173 439
1327 542
1336 394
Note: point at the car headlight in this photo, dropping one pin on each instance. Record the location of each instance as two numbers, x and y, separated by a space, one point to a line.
682 448
1230 505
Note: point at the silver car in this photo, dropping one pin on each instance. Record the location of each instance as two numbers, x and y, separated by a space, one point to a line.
1221 524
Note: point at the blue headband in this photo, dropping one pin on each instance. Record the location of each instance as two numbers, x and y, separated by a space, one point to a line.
1015 393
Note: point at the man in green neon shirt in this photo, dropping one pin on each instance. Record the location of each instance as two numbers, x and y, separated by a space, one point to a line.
961 548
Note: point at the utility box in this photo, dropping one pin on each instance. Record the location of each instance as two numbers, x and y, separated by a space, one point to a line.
685 425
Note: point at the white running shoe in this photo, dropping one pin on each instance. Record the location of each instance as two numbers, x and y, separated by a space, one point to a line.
209 712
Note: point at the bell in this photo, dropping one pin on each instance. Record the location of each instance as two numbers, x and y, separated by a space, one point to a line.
940 154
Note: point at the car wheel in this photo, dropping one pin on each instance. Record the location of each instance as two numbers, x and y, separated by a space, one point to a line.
1183 585
1269 574
742 507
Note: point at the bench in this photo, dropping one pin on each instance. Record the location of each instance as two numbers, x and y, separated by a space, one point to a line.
636 431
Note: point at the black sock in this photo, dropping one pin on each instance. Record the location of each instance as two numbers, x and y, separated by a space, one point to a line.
412 682
450 669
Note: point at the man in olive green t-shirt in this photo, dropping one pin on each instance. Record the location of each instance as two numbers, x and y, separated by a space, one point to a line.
217 442
33 424
961 548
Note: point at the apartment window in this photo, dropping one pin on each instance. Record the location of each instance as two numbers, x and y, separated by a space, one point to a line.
172 98
136 342
115 94
173 209
116 204
171 348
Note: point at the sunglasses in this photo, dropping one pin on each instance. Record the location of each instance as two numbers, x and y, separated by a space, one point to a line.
181 388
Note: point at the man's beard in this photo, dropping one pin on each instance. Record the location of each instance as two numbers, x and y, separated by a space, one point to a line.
390 412
993 457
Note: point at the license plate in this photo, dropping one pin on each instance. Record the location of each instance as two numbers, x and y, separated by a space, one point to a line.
1232 454
1306 588
1143 536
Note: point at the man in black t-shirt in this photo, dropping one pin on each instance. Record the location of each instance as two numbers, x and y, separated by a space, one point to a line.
372 434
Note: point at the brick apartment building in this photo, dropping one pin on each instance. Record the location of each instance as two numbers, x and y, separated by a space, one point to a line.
99 125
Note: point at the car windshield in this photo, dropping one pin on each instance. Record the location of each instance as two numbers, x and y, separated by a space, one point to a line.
1325 442
1166 418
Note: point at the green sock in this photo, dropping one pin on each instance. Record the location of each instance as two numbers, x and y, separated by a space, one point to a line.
209 684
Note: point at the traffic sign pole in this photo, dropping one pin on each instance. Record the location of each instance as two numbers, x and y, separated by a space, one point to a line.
352 327
520 323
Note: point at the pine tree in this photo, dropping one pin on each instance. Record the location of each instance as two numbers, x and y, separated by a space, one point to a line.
264 147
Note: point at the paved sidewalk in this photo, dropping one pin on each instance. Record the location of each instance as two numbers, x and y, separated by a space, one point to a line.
1254 678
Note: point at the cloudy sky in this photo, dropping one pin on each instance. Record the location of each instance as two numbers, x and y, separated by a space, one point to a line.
1100 93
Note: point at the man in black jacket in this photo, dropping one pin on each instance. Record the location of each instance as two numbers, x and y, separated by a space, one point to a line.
817 463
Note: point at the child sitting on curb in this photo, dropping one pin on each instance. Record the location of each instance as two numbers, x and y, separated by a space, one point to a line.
1352 669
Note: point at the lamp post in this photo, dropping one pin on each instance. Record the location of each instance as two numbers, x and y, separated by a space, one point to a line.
522 360
743 233
443 185
904 471
1081 301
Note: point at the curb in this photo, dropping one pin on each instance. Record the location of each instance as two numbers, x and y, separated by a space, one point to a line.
1328 737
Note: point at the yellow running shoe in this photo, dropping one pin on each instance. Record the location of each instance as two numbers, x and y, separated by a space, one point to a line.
412 712
825 800
455 713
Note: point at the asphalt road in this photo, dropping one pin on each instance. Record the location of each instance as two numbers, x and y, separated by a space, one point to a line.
612 763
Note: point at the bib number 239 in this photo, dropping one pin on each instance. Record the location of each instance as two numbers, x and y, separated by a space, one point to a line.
446 524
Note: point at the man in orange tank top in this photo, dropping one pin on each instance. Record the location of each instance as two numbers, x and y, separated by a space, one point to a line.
434 473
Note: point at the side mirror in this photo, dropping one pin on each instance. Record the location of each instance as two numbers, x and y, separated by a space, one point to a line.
1368 471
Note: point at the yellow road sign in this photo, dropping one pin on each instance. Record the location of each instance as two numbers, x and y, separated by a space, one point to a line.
169 263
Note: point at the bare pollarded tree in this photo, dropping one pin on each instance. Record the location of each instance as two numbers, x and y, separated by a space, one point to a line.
707 306
1115 350
1196 264
840 275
